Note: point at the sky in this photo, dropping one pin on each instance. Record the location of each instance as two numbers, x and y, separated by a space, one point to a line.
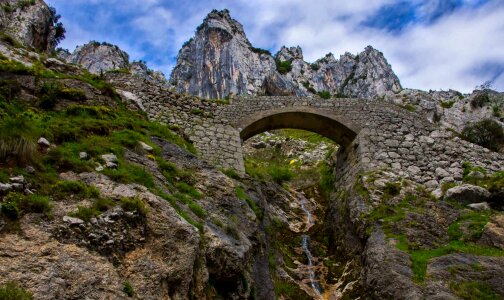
431 44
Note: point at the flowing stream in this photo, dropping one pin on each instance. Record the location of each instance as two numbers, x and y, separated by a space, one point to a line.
305 244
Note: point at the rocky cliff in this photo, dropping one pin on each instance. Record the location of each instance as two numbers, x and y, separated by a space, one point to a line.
220 61
98 57
31 23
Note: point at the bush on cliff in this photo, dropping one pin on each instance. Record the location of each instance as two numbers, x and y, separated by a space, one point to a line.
486 133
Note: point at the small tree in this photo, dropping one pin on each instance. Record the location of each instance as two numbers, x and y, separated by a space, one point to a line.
59 29
486 133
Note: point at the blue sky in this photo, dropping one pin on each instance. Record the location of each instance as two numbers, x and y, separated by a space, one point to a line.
431 44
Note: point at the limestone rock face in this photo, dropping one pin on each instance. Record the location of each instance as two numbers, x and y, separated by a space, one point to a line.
99 57
220 61
30 24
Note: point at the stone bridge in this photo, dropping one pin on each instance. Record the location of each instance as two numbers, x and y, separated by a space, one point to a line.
372 134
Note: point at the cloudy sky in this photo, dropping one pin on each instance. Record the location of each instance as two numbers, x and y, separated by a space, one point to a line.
431 44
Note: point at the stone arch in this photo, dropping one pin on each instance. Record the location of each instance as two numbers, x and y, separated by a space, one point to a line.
326 123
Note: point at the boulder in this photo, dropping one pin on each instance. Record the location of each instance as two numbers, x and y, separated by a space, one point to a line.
110 160
468 193
480 206
493 233
43 142
146 147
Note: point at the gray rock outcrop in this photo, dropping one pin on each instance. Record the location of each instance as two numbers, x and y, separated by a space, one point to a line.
220 61
31 23
468 193
98 57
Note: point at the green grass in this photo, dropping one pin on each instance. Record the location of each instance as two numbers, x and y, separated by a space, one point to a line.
189 190
240 193
14 205
130 173
11 291
473 290
85 213
420 258
74 188
280 174
231 173
134 204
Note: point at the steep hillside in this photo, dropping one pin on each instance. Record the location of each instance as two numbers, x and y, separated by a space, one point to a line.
106 194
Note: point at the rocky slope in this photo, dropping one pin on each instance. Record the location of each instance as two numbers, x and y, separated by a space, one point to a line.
31 23
99 58
220 61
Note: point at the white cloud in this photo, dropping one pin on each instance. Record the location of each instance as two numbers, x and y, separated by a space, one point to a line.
439 55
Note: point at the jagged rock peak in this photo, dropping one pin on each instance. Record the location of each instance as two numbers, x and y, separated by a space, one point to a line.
289 54
221 20
99 57
219 60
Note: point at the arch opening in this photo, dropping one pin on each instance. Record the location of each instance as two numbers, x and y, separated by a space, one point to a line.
327 125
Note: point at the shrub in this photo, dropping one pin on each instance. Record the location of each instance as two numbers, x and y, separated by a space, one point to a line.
324 94
134 204
315 67
85 213
128 289
486 133
17 133
15 204
391 189
480 100
447 104
10 205
283 67
11 291
260 51
280 174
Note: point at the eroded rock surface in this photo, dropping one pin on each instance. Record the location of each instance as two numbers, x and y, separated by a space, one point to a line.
220 61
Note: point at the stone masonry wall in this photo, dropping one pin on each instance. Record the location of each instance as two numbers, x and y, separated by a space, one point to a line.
387 135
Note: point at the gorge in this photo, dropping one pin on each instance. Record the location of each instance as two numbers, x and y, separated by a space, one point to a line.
242 176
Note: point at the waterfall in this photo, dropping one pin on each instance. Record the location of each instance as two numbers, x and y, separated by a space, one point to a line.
305 244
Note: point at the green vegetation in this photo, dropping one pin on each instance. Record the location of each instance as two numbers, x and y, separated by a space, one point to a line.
11 291
240 193
315 67
309 87
447 104
409 107
480 100
463 233
15 204
260 51
197 111
74 189
486 133
128 289
134 205
324 94
391 189
473 290
231 173
290 290
283 67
